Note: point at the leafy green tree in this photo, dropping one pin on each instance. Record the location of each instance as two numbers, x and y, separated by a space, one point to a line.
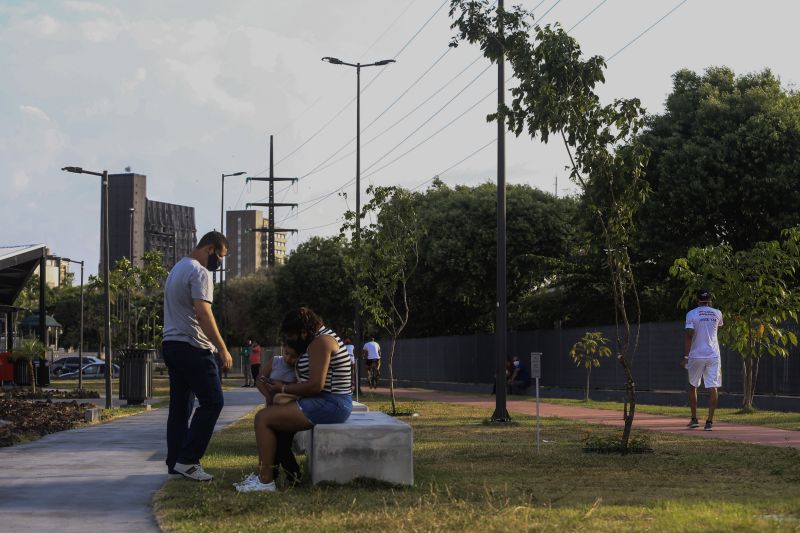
388 255
587 353
555 95
756 290
724 166
315 275
457 257
251 310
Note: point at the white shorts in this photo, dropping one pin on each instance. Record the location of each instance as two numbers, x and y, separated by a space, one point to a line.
708 369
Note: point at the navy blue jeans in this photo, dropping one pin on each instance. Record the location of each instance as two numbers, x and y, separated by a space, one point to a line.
192 372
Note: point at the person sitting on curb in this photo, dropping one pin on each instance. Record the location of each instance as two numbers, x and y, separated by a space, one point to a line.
323 372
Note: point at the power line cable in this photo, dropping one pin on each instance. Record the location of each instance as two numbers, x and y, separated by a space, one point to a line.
431 117
319 199
437 175
374 78
653 25
426 139
551 8
327 195
365 52
587 15
323 166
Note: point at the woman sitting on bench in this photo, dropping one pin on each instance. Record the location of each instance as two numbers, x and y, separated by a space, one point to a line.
323 389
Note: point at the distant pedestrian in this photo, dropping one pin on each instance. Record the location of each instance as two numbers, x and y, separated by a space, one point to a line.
519 379
190 338
348 345
255 361
372 353
244 354
702 356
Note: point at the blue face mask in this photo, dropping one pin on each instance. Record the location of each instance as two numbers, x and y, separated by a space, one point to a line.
213 261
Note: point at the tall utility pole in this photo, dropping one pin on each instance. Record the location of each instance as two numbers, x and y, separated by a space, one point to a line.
272 230
501 326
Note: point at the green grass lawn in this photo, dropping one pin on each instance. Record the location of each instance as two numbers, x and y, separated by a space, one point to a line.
475 477
757 418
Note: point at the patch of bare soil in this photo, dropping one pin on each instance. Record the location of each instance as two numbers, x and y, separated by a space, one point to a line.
30 419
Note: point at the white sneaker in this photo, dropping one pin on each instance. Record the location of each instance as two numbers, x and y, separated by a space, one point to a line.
252 484
194 472
247 479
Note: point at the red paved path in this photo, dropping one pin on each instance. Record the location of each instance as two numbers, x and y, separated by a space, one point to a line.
733 432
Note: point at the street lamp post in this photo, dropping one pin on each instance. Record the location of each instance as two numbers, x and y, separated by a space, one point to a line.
80 344
358 66
130 257
104 259
222 269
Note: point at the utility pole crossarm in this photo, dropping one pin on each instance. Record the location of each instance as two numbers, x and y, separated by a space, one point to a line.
261 178
273 230
268 204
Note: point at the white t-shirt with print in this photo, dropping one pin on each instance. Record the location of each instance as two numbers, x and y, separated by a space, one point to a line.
705 321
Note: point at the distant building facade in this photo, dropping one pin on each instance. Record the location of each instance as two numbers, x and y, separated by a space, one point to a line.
137 224
249 249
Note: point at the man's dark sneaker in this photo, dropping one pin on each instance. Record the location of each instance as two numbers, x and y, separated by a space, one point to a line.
693 423
708 426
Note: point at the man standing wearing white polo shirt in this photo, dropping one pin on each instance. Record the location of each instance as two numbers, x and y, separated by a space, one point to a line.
702 357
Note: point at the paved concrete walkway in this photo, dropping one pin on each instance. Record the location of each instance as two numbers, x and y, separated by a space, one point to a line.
98 478
734 432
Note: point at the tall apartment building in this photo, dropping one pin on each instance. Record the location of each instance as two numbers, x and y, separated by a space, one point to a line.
137 224
248 249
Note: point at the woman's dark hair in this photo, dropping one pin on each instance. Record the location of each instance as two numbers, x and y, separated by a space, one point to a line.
302 322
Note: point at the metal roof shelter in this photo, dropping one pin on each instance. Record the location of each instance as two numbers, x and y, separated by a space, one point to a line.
17 264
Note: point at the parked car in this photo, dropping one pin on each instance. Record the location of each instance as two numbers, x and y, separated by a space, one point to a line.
92 370
71 364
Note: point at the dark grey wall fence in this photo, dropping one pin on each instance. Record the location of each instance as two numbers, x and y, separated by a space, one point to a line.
656 363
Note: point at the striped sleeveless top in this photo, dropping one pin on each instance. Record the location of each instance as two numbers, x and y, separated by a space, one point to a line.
338 379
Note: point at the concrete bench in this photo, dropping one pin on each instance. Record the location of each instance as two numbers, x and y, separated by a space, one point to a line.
369 444
302 439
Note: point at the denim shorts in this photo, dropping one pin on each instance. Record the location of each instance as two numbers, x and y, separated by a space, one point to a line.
327 408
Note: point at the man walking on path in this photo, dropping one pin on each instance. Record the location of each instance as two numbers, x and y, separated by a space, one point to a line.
190 337
702 357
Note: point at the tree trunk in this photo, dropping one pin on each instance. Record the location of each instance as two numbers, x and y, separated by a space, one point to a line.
588 373
33 375
749 377
391 375
630 390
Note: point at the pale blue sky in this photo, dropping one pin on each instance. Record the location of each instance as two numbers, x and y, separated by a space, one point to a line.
185 90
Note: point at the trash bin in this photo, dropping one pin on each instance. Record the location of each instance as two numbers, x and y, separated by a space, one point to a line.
42 369
135 374
22 376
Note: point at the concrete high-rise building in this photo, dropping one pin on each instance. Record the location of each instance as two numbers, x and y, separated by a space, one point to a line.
126 206
248 249
137 224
